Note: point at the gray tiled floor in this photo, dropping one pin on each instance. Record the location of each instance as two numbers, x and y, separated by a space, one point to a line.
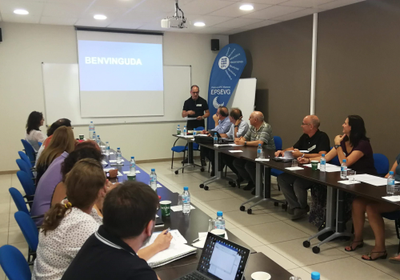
268 229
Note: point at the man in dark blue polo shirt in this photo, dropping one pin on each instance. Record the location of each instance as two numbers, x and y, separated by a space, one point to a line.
129 213
195 107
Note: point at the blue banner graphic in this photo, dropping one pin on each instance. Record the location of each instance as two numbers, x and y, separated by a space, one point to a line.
225 74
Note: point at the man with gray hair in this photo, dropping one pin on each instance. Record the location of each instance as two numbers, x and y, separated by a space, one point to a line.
259 133
311 144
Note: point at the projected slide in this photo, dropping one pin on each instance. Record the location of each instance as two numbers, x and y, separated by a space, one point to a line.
122 69
108 66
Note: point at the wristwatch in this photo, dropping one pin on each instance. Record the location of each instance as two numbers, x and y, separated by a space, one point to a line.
337 146
245 143
236 126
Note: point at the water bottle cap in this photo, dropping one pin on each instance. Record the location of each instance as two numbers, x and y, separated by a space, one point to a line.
315 275
106 142
391 172
132 157
185 188
323 155
344 160
118 148
259 144
215 134
153 169
219 214
91 121
194 129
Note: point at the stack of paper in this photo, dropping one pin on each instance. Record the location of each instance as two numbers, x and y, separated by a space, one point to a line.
329 167
372 180
177 249
202 239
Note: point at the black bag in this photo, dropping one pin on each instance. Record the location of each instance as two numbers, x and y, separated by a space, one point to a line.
203 140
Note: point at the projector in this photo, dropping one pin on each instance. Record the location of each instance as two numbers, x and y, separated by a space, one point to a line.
178 20
173 23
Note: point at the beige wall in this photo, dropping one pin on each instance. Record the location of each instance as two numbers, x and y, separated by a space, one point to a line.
26 46
358 66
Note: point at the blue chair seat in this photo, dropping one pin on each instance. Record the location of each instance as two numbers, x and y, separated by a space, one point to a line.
178 149
14 264
395 215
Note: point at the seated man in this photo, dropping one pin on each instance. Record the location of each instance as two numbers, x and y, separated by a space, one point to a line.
259 133
238 129
222 125
294 188
129 217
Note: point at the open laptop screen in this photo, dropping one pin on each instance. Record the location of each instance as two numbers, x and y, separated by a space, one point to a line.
222 259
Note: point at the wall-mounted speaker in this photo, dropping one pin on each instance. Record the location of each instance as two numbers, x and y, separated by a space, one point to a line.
215 44
1 37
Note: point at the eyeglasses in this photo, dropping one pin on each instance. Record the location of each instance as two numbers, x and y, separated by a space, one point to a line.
195 92
305 124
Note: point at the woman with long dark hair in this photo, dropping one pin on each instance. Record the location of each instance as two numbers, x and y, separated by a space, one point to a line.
33 133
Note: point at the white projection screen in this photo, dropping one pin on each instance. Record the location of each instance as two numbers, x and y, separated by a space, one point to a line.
120 74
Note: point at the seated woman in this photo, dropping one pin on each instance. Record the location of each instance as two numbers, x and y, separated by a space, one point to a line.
62 143
374 211
355 148
68 225
33 133
50 131
50 189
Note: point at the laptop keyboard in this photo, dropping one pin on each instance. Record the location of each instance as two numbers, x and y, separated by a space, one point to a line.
194 276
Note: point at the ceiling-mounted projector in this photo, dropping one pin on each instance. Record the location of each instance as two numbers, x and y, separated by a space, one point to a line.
178 20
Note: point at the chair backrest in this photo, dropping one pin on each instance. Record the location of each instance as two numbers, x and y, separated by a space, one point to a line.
381 163
24 166
25 158
278 142
28 228
14 264
30 152
18 200
26 182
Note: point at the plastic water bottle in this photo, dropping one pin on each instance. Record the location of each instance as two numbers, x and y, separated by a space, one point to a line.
132 168
315 275
91 129
108 149
94 138
322 163
178 130
260 152
194 132
219 221
153 179
343 170
185 201
119 156
215 138
390 188
184 131
98 140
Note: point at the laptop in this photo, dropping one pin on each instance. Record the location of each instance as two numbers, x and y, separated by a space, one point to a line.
221 259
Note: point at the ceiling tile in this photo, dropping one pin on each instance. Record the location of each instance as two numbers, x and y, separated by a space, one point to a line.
204 7
126 24
273 12
67 10
18 18
215 31
306 3
338 3
234 11
58 20
34 8
237 22
92 22
297 14
268 2
208 20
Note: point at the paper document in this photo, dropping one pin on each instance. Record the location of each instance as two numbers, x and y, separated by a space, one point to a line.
185 136
348 182
114 160
329 167
262 159
177 237
372 180
127 172
202 239
178 208
189 119
294 168
227 145
235 151
393 198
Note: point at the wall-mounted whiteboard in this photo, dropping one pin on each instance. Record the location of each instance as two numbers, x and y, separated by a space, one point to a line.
61 95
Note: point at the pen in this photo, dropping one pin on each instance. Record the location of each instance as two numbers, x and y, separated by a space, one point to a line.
167 230
197 239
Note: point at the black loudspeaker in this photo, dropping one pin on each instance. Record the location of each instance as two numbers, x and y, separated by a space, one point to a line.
215 44
1 37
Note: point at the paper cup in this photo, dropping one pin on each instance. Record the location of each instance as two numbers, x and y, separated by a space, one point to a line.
81 136
131 178
314 164
218 232
260 275
165 208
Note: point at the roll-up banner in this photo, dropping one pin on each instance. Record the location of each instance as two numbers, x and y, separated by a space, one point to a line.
225 73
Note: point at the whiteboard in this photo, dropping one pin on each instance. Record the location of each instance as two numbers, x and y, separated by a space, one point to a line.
61 95
244 96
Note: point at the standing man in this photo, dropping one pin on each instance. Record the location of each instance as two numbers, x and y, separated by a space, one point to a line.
129 213
294 188
195 107
259 133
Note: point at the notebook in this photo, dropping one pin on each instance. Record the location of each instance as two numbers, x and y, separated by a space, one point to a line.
220 259
177 250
